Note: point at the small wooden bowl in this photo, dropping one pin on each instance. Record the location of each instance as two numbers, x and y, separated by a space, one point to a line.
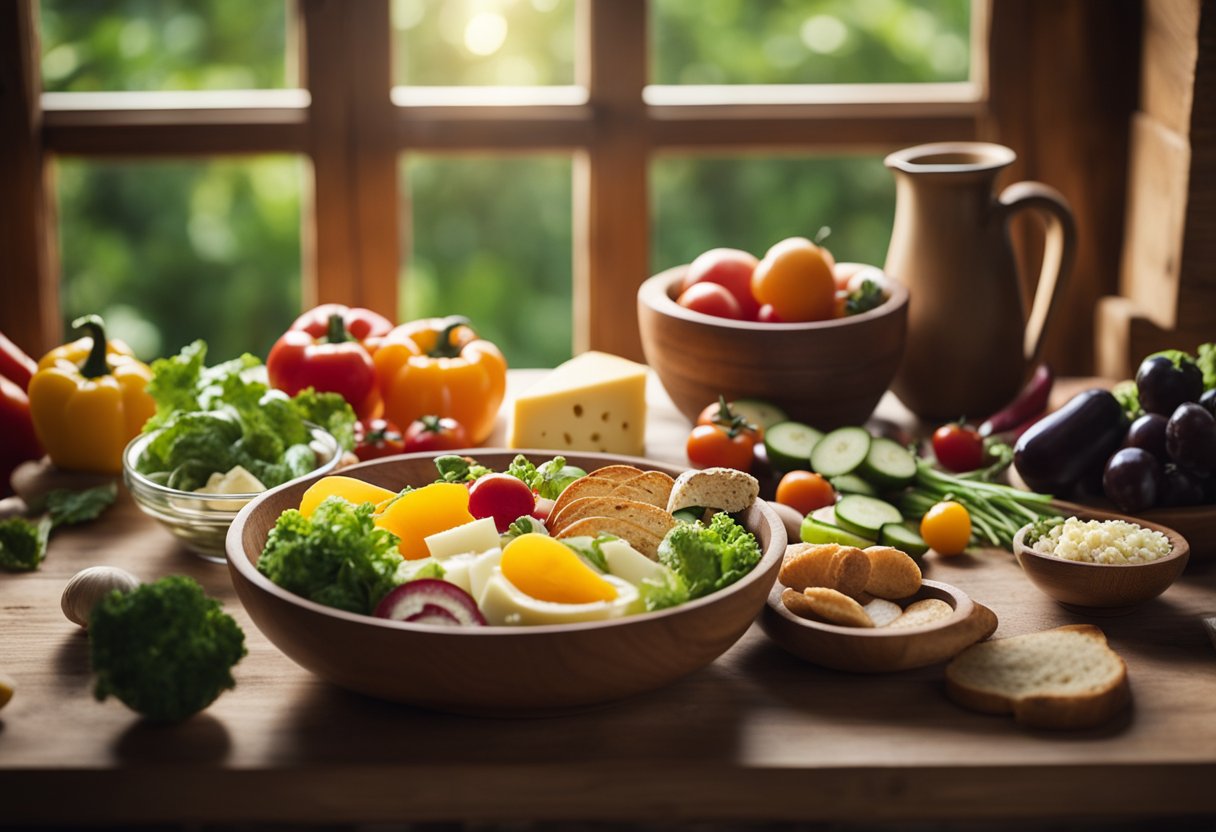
825 373
1103 588
881 650
509 671
1195 523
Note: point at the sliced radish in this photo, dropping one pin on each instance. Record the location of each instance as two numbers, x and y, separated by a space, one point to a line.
409 601
434 614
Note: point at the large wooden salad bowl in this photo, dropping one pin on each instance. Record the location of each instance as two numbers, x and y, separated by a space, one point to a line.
494 670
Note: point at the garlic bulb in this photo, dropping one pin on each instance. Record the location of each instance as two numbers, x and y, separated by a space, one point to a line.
89 586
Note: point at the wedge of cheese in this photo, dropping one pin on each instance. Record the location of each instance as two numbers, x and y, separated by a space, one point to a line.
593 402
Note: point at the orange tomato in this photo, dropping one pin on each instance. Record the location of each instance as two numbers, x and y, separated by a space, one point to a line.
805 491
714 415
795 277
711 446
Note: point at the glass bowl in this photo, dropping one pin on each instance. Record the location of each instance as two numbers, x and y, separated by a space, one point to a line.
201 521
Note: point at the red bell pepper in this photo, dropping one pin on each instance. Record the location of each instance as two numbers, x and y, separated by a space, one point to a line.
15 365
364 325
330 362
18 442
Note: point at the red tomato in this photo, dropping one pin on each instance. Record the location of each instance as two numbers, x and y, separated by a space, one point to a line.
958 448
768 315
502 497
430 433
711 446
729 419
729 268
376 438
710 299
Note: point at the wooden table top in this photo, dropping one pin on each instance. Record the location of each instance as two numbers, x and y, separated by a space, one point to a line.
756 735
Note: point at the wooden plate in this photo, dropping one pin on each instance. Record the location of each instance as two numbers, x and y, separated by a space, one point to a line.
504 671
881 650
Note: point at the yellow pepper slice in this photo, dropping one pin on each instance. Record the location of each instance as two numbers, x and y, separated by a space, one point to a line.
89 399
425 511
348 488
547 570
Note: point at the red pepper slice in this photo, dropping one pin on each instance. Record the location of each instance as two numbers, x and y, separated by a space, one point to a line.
332 362
20 442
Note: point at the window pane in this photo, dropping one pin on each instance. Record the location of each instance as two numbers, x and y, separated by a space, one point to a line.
491 240
483 42
809 41
163 45
751 203
168 252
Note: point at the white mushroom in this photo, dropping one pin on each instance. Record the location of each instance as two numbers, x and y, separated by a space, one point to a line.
89 586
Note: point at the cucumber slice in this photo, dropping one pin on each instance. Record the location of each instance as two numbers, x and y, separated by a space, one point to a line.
901 537
840 452
815 532
827 515
865 515
759 413
789 445
689 515
853 484
888 465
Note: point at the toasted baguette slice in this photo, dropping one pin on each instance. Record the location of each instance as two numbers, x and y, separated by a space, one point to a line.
1062 678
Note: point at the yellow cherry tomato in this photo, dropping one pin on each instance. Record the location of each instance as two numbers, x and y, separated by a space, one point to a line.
946 528
795 278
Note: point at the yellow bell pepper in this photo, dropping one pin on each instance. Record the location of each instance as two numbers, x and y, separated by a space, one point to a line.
439 367
89 399
423 512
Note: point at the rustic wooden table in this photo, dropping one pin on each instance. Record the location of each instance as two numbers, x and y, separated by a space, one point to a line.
757 735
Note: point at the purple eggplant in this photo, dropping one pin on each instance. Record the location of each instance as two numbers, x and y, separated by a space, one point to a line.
1071 443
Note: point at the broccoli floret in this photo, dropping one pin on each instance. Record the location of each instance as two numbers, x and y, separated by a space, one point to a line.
337 556
164 649
23 544
709 558
665 590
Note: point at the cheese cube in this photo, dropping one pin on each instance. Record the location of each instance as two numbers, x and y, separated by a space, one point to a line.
593 402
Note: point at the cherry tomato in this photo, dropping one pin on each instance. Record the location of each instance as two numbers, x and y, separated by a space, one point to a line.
376 438
795 276
502 497
805 491
727 418
958 448
430 433
729 268
712 446
946 528
710 299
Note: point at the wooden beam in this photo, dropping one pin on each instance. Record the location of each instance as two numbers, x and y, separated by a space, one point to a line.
347 68
29 269
611 201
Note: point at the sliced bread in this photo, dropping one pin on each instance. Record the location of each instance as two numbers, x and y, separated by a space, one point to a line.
1062 678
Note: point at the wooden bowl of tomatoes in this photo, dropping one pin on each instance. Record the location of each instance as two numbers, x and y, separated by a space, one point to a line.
827 372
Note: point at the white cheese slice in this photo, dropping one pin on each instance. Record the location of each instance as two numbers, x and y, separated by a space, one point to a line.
628 563
503 603
480 571
235 481
477 536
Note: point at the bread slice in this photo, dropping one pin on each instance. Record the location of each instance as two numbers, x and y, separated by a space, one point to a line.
1062 678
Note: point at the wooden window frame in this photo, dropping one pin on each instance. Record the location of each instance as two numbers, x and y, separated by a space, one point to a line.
352 125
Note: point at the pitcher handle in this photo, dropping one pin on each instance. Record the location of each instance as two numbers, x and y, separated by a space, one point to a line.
1058 254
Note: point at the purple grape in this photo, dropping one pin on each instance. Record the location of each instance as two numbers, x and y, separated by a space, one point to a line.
1163 385
1208 400
1132 479
1190 439
1148 432
1178 488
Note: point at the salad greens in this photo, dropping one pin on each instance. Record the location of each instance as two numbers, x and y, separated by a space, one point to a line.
455 468
337 556
211 419
67 507
549 479
593 551
708 558
164 649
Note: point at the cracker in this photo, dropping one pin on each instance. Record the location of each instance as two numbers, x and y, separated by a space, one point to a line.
592 485
645 515
654 484
882 612
639 538
617 473
893 574
828 605
925 611
843 568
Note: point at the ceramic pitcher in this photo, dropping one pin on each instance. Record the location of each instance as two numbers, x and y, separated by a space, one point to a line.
971 342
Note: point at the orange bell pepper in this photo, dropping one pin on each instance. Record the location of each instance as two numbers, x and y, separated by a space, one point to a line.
425 511
439 367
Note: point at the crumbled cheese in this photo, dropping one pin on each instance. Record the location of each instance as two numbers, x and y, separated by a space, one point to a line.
1103 541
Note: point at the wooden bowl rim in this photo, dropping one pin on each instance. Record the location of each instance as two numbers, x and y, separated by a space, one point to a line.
1180 548
964 607
654 294
240 561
